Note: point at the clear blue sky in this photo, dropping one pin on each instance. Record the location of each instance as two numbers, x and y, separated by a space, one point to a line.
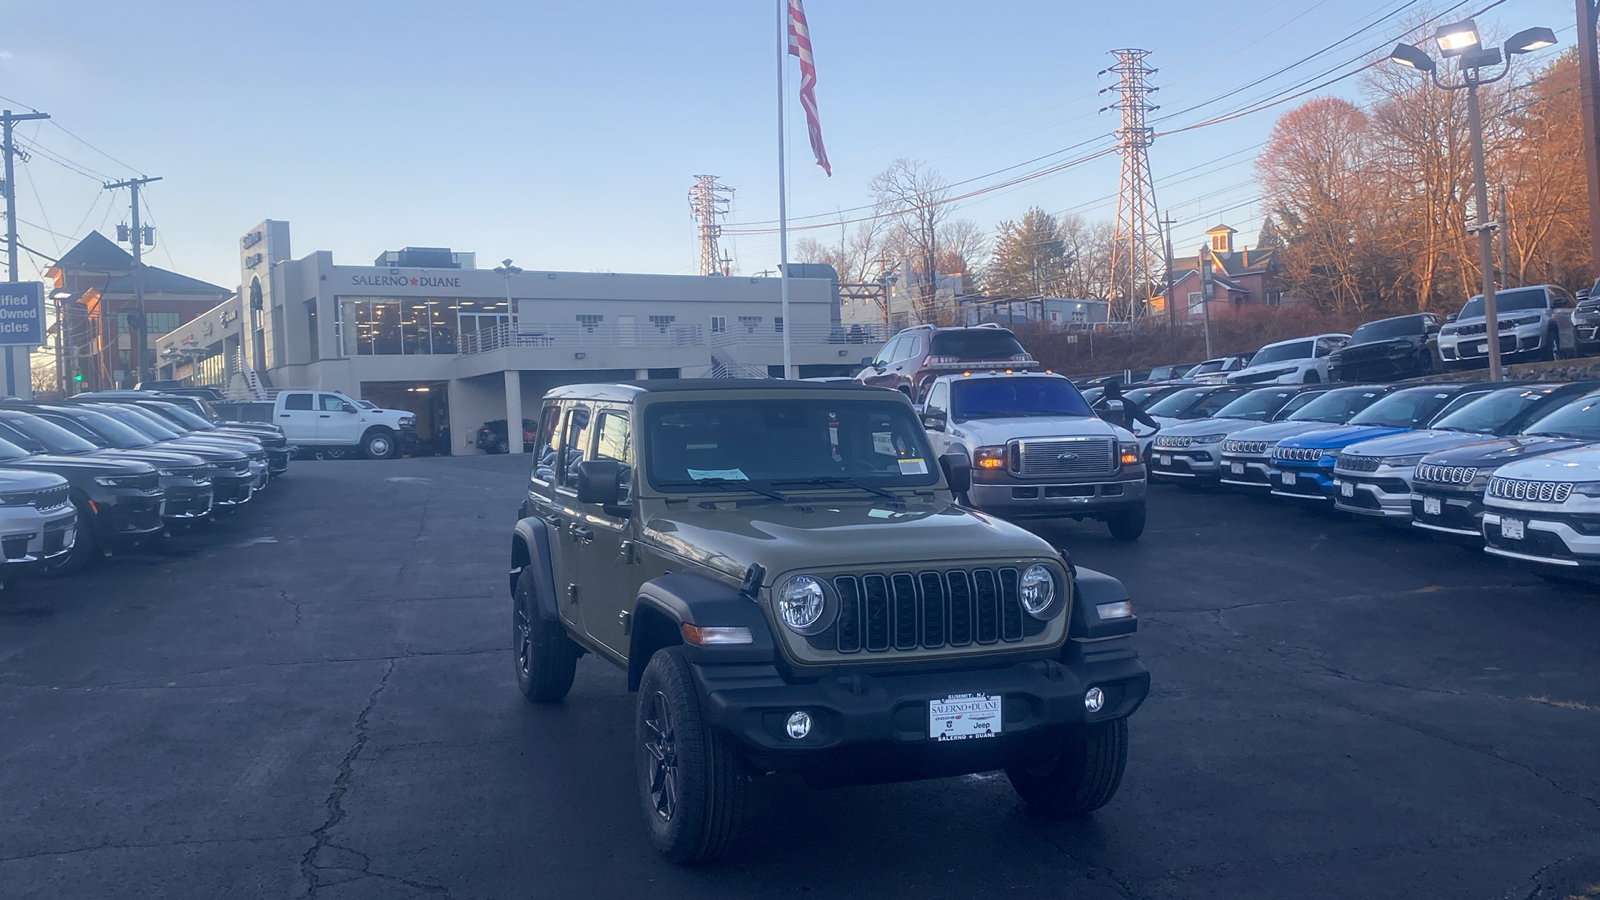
565 135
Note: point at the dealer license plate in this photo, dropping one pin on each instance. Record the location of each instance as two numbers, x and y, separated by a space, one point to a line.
962 716
1483 348
1346 489
1430 506
1288 479
1513 529
1238 468
1164 459
69 538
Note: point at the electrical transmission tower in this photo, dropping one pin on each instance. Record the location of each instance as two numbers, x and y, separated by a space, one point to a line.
1136 248
708 200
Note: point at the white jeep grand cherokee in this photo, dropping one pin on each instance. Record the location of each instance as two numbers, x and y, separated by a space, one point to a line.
1535 323
1299 361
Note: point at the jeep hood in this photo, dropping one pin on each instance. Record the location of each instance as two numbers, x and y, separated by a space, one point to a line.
1574 466
1277 431
1499 451
1400 346
1209 426
1410 443
88 465
997 431
1343 435
837 532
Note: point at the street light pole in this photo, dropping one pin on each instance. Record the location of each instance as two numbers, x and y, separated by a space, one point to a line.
1484 228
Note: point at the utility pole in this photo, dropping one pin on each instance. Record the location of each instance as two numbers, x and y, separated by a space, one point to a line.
1136 243
1589 112
10 149
141 331
1172 310
708 200
1505 257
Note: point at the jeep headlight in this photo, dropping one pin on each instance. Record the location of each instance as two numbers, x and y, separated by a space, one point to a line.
1207 439
1587 489
1037 590
801 603
1402 462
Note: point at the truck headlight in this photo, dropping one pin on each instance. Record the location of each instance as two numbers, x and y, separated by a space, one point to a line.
1037 590
1129 453
801 603
989 458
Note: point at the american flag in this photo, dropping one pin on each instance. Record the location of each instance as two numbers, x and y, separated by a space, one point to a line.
800 47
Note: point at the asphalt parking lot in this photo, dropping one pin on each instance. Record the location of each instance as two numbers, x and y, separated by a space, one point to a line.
316 700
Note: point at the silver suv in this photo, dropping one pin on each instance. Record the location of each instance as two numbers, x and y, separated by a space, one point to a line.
1535 323
37 519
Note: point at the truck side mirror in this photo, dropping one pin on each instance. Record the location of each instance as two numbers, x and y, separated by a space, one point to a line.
957 472
935 420
599 481
348 407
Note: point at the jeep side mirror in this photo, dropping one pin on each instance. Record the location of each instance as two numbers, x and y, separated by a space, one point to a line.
599 481
866 361
1450 318
957 472
1560 302
1583 294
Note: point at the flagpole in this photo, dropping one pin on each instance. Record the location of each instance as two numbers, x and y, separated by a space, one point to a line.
783 191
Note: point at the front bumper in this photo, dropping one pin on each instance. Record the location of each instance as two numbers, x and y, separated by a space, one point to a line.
278 459
1303 483
876 725
1460 513
53 535
1388 368
407 440
184 501
1385 493
232 491
1019 500
128 516
1189 463
1252 473
1527 339
1554 539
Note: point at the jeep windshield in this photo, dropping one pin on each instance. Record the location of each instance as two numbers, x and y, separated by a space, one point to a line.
988 397
1504 302
1492 412
1389 329
1257 405
1404 409
1336 407
1281 352
693 446
1579 419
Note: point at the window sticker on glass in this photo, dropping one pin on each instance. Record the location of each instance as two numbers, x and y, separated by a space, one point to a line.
711 474
883 442
913 467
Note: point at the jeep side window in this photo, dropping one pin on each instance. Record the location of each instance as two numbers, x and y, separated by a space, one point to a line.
614 440
297 401
574 445
544 453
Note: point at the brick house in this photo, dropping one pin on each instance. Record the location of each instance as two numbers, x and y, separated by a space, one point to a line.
1240 278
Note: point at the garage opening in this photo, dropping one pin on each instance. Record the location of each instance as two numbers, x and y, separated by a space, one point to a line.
429 401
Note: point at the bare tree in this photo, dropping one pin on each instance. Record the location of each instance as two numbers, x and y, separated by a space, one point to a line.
912 197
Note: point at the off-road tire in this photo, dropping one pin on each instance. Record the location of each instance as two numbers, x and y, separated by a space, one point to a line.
1127 524
380 443
546 660
707 779
1082 779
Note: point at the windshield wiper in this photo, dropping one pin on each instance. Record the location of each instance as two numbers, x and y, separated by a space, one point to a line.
825 480
986 414
727 484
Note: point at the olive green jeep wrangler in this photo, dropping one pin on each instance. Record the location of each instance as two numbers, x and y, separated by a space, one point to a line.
782 571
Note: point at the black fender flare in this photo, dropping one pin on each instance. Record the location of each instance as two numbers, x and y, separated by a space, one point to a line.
530 548
668 603
1090 589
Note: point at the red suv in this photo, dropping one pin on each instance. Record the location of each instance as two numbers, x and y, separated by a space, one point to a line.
913 358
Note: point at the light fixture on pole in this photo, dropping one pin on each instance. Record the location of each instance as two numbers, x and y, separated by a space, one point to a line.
507 270
1463 42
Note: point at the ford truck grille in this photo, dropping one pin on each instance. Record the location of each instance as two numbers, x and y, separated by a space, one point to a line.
1359 463
1445 474
1067 457
885 612
1532 491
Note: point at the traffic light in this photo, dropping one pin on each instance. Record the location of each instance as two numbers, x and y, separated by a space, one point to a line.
77 376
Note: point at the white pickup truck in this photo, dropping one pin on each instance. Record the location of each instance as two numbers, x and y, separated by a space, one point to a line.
328 423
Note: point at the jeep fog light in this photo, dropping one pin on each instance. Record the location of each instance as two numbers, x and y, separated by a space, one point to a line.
799 725
1093 699
1037 589
801 603
1121 609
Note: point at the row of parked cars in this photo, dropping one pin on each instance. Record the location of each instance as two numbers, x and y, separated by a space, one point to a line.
1513 466
106 472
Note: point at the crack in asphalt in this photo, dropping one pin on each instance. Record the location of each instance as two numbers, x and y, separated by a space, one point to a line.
285 596
1123 887
310 867
1537 877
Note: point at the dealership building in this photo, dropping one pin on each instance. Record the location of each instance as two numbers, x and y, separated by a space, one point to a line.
424 329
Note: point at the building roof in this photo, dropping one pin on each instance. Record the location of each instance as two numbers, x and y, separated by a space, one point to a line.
164 282
95 253
1240 262
1219 228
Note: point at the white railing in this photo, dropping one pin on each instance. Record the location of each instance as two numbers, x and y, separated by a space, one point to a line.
572 335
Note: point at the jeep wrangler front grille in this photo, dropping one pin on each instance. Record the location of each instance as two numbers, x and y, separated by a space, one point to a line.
883 612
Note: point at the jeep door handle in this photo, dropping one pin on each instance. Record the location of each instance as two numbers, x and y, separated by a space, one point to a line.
581 532
553 520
